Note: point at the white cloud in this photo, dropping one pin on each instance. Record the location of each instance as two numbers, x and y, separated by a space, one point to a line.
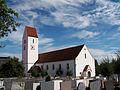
45 41
100 54
31 16
72 13
107 11
71 20
15 37
118 28
114 36
47 21
85 34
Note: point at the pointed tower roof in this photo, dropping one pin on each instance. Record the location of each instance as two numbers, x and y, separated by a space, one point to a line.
31 31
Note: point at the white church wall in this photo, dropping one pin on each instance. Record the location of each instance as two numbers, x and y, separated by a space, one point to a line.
84 58
32 51
52 71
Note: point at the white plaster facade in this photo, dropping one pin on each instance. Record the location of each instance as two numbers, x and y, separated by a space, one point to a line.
84 58
63 64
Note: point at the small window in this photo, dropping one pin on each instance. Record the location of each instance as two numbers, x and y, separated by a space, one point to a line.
33 40
24 47
24 41
47 67
42 67
85 56
68 67
53 67
59 66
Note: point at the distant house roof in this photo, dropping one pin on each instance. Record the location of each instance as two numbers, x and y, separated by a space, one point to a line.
4 58
31 31
60 55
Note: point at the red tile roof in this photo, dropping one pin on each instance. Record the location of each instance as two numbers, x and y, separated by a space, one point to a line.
86 68
31 31
60 55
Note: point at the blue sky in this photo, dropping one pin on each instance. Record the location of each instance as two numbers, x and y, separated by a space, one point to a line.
66 23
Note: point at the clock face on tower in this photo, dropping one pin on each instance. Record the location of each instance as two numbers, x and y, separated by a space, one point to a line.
32 47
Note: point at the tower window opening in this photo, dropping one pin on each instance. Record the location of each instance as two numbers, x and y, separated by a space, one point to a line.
24 41
33 40
85 56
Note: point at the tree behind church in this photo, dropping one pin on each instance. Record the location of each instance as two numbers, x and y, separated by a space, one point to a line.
13 68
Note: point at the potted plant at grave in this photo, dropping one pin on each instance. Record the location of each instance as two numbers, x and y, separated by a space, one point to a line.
59 72
35 71
69 72
48 78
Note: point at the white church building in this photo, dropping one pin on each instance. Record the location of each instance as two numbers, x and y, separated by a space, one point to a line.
78 58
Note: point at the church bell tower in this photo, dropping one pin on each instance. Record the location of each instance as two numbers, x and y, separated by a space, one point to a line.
29 47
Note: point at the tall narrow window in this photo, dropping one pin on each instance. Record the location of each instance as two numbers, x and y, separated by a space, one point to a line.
42 67
85 56
68 67
59 66
24 47
33 40
53 67
24 41
47 67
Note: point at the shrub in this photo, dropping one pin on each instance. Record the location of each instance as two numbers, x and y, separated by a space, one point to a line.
59 72
48 78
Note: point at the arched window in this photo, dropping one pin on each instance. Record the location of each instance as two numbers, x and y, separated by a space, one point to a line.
89 74
68 67
59 66
53 67
85 56
33 40
42 67
47 67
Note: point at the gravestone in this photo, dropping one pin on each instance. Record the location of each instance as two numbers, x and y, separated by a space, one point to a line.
95 85
81 86
109 85
51 85
66 85
28 85
17 85
7 83
1 85
36 86
1 82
